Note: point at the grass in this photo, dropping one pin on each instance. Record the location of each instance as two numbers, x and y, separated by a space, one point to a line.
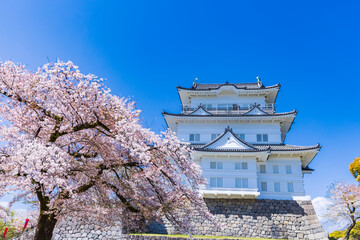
199 236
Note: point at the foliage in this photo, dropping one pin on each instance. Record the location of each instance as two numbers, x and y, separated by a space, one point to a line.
354 234
14 225
345 204
355 168
72 147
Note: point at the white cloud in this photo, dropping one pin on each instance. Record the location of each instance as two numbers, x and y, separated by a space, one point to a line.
4 204
321 205
19 211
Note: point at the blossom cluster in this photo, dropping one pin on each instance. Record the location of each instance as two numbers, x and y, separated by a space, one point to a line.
70 146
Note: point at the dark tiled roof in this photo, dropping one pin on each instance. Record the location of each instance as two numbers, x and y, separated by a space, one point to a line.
230 114
253 147
286 147
215 86
259 147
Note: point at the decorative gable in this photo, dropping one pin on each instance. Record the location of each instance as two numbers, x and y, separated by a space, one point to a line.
255 110
200 111
228 140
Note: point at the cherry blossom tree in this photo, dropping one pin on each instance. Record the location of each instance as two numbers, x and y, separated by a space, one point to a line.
345 204
72 147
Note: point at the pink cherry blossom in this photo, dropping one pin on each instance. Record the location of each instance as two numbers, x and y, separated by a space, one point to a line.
345 204
72 147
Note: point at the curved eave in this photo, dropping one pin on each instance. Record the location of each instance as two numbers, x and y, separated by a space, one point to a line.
294 112
229 84
230 150
271 91
288 119
305 150
306 155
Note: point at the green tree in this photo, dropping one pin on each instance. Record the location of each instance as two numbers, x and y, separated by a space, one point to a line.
354 234
13 227
355 168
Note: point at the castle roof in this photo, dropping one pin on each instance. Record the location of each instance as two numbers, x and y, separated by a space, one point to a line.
215 86
228 142
262 147
246 114
286 119
214 89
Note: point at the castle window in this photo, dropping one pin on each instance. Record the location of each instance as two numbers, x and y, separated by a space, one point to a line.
194 137
262 168
265 138
214 135
241 136
263 186
222 107
208 106
275 169
288 169
290 186
216 165
242 165
241 183
262 137
259 137
276 186
216 182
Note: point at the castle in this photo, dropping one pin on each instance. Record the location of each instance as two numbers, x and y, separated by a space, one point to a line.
238 140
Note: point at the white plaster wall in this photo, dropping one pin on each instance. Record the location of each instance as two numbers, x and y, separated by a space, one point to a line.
250 130
229 173
282 177
226 99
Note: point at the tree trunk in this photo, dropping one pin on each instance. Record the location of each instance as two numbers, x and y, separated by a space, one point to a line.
45 227
348 230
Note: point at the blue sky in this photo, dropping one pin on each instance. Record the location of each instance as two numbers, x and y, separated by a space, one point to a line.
146 48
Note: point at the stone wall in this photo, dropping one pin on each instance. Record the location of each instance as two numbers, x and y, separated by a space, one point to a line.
281 219
80 229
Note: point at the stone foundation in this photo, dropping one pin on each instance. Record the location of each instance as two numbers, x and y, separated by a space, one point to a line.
281 219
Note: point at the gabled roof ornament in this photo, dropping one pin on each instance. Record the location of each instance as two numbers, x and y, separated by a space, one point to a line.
259 82
228 129
195 82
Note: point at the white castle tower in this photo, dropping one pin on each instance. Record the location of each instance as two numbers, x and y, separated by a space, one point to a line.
238 140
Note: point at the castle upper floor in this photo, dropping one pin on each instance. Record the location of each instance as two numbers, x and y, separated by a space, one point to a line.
228 98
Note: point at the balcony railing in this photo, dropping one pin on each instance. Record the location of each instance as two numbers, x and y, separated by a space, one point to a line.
220 192
229 108
228 189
